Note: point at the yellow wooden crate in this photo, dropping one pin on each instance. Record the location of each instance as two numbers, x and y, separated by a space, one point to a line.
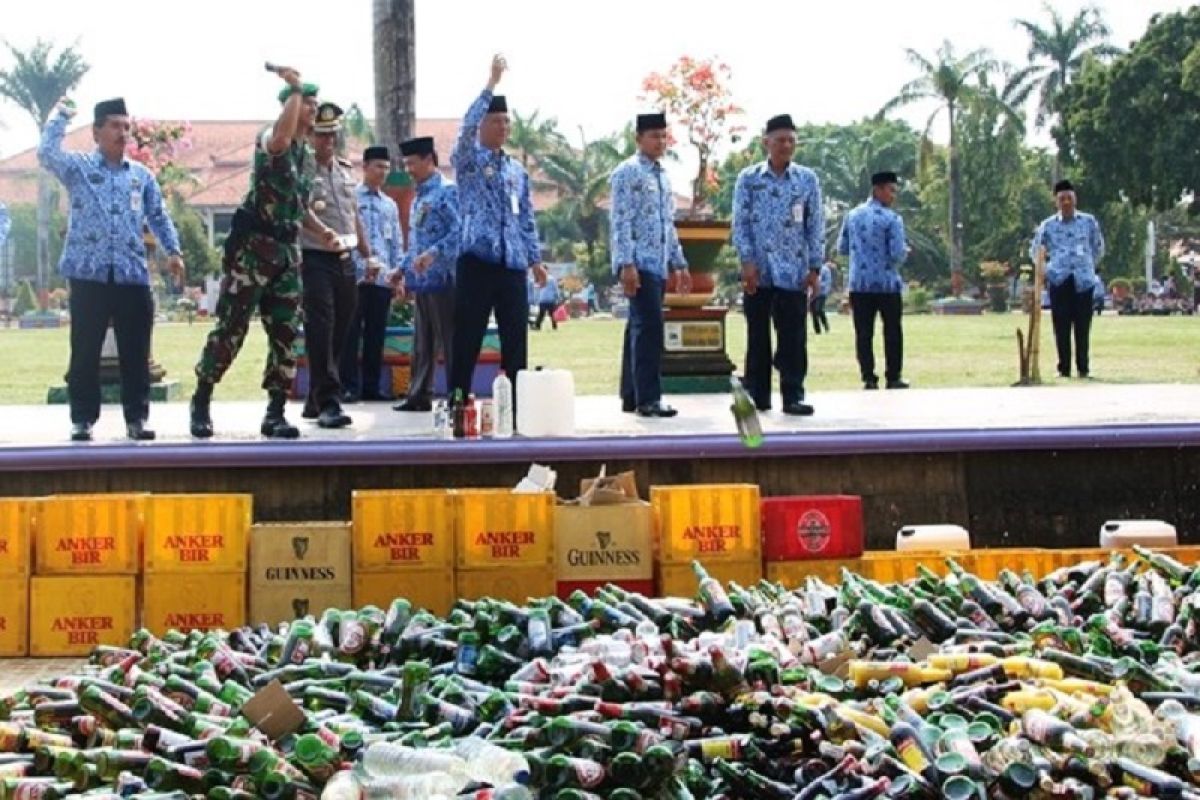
678 580
499 529
89 534
411 528
431 589
16 534
68 616
197 532
514 584
710 523
14 615
187 601
792 574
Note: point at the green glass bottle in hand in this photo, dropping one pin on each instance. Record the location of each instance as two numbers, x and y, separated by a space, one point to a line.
745 414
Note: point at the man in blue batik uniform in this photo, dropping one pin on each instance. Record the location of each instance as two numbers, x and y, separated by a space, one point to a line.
368 326
499 239
645 248
1074 245
873 237
779 234
104 261
435 235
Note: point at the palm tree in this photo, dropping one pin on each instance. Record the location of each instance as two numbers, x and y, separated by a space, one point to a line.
581 177
1058 51
35 83
394 26
950 81
534 137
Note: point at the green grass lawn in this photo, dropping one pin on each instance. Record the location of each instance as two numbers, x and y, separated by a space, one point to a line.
939 352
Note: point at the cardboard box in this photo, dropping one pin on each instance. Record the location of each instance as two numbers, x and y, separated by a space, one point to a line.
297 569
600 543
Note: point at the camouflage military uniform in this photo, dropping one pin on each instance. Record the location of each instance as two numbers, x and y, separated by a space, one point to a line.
261 268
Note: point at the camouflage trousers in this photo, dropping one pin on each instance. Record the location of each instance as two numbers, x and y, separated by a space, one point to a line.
249 283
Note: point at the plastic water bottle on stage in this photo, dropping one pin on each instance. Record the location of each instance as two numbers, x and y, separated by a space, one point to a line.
745 414
502 399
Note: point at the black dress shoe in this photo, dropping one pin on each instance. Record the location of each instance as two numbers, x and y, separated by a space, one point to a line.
763 406
798 409
332 417
350 397
81 431
138 432
1064 373
277 427
655 410
870 385
413 405
310 413
897 384
628 407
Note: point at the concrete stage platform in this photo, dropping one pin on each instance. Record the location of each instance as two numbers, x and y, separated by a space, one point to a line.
1015 465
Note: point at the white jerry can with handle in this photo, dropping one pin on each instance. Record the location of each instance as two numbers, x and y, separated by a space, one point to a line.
933 537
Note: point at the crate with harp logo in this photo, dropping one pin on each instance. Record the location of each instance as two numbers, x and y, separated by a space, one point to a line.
298 568
606 537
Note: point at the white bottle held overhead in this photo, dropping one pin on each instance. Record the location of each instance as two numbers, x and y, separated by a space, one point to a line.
502 406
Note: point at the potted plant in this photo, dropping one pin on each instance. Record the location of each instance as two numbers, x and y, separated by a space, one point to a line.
995 278
695 96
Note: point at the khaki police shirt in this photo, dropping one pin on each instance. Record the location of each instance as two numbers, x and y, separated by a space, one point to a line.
334 201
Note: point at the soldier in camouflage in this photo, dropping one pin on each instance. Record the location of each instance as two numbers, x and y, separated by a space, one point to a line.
261 263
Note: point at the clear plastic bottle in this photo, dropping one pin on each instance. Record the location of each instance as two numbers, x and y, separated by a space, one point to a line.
421 786
502 398
488 763
390 760
342 786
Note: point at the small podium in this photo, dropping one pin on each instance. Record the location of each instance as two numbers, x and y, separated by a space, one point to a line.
694 357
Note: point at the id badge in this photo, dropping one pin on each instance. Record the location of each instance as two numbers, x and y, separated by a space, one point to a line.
516 204
798 213
1080 250
135 201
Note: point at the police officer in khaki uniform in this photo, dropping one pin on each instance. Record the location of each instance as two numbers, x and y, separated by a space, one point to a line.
332 230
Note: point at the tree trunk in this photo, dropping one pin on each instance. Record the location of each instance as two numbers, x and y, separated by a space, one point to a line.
956 229
44 211
395 72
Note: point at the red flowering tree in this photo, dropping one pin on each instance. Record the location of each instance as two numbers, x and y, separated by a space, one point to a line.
695 95
157 145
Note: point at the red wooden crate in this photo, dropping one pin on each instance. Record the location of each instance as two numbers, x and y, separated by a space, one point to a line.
808 528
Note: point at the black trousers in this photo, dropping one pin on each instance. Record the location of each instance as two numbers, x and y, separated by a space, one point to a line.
1071 311
787 311
546 310
819 320
889 306
368 329
130 309
481 288
641 354
329 300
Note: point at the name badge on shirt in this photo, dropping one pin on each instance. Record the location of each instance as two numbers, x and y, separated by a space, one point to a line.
516 204
798 213
1080 250
135 200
